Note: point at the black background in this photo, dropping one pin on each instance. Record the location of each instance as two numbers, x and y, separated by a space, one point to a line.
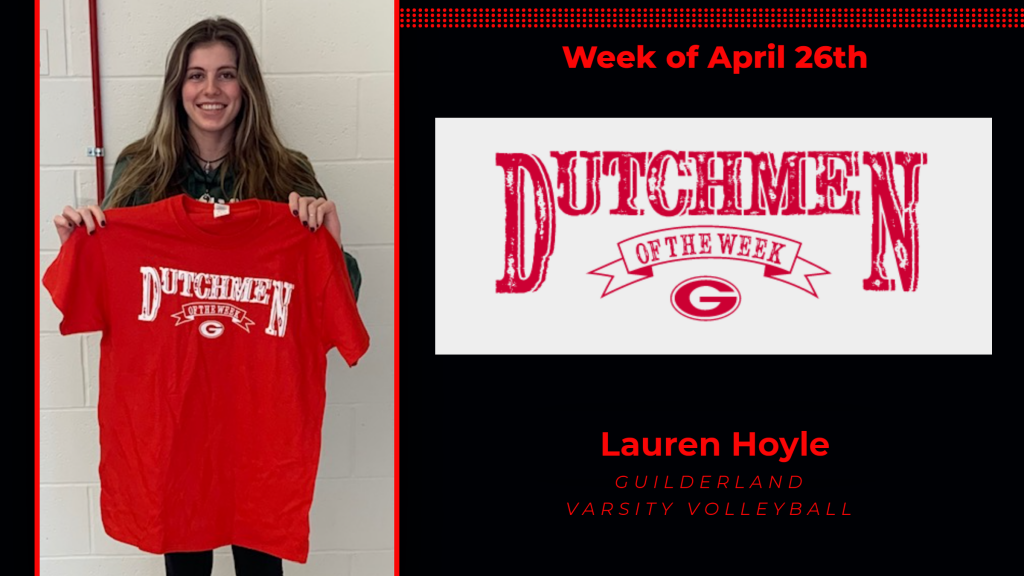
497 446
484 72
510 443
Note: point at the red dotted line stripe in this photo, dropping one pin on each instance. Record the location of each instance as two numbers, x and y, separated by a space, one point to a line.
709 17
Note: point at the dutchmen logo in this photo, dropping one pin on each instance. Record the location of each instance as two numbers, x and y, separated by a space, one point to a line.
214 292
778 187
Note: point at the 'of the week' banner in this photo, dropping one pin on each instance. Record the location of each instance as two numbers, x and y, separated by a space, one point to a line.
640 254
190 311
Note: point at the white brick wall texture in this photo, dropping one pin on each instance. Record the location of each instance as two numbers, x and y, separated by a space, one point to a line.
329 69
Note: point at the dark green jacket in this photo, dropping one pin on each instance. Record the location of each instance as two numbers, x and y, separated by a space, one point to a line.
197 185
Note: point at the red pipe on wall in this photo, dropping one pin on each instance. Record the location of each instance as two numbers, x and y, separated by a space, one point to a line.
96 114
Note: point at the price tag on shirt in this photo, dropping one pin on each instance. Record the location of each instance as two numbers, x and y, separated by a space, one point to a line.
221 210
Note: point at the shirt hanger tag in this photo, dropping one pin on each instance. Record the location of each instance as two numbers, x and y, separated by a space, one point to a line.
221 210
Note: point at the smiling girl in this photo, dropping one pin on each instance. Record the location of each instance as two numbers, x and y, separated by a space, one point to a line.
213 139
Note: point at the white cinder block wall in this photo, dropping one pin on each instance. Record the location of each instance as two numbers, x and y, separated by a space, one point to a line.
329 65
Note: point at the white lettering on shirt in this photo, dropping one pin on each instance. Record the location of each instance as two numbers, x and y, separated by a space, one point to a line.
205 286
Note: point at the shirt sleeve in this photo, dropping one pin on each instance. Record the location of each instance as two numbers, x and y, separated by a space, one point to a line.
342 327
76 282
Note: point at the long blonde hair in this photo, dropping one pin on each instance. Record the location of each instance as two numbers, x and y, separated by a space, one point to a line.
263 167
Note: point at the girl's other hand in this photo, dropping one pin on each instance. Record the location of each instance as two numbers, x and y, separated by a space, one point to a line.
89 217
316 213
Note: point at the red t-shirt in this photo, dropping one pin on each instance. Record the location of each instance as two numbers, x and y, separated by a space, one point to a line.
212 368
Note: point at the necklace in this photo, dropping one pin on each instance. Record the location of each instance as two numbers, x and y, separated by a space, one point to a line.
208 182
206 166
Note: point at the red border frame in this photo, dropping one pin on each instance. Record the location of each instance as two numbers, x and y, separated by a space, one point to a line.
395 287
36 226
37 290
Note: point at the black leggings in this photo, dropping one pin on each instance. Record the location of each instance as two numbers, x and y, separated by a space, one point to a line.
247 563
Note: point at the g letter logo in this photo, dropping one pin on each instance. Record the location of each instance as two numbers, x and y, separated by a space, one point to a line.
211 329
726 298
